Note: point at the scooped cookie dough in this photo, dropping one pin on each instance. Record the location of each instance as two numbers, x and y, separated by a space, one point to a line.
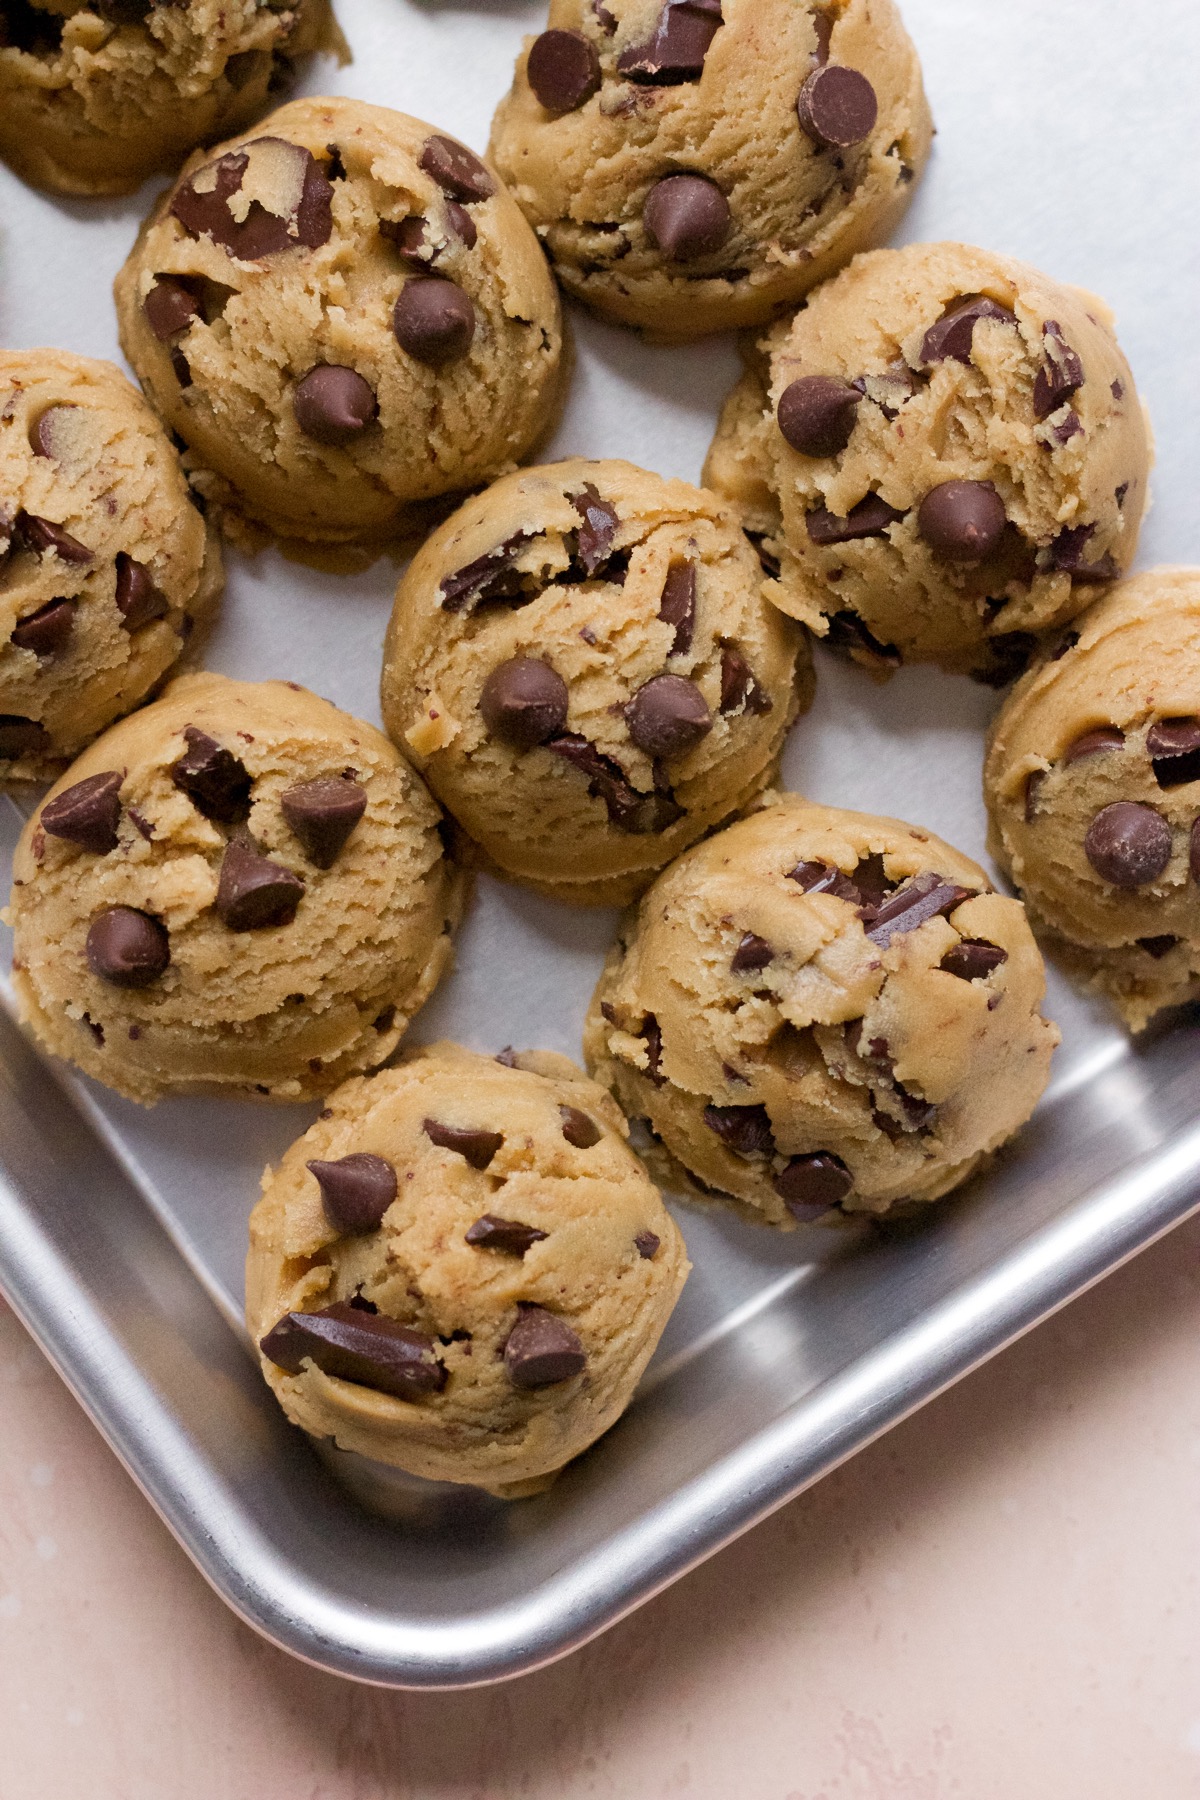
1092 782
240 890
345 317
957 456
462 1269
818 1010
582 666
95 99
692 165
107 570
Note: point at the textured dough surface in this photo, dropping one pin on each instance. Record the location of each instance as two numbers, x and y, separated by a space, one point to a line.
1077 502
845 1044
91 107
115 485
280 1013
226 383
1130 662
533 813
799 212
417 1267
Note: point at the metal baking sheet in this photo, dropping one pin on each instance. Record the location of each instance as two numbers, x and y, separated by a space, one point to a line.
1066 135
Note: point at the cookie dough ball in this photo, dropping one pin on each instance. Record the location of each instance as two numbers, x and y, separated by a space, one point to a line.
957 456
238 891
345 317
462 1269
1092 782
582 665
95 99
106 568
821 1010
692 165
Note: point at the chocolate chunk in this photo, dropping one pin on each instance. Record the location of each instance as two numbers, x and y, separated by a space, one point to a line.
1157 947
563 70
141 824
43 536
817 414
182 368
1173 746
524 702
457 170
870 518
751 955
433 320
951 338
201 204
462 224
651 1035
335 168
45 631
139 602
603 17
216 783
746 1130
170 307
740 686
86 814
579 1128
848 636
596 533
253 892
356 1191
1066 555
1094 743
678 605
962 521
647 1244
640 815
507 1235
820 878
333 405
837 107
686 217
490 577
21 737
812 1185
1128 844
1060 375
1009 655
477 1147
973 959
127 948
410 238
1067 428
668 717
925 897
322 814
872 879
677 47
367 1348
542 1349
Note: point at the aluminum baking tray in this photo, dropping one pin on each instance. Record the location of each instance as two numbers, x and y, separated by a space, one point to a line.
1066 137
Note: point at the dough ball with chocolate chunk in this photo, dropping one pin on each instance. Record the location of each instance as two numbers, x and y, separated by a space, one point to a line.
240 890
108 572
581 664
819 1012
1092 782
462 1269
695 165
945 454
346 319
93 99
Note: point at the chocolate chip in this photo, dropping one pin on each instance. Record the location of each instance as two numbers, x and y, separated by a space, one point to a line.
45 631
746 1130
216 783
43 536
962 521
253 892
356 1191
812 1185
837 107
127 948
434 321
21 737
579 1128
647 1244
1094 743
1174 749
599 526
848 636
973 959
170 307
739 686
489 578
507 1235
686 217
925 897
640 815
333 405
678 605
821 878
1128 844
477 1147
668 717
1059 376
367 1348
462 224
1066 555
322 814
139 602
563 70
87 813
50 432
524 702
950 340
201 204
817 414
751 955
542 1349
677 47
1157 947
870 518
457 170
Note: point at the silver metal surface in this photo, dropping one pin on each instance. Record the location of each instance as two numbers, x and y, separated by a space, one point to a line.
122 1232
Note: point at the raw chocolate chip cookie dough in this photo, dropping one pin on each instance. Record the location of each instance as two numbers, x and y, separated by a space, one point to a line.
93 99
819 1010
692 165
240 891
582 665
948 455
462 1269
345 317
106 568
1092 782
